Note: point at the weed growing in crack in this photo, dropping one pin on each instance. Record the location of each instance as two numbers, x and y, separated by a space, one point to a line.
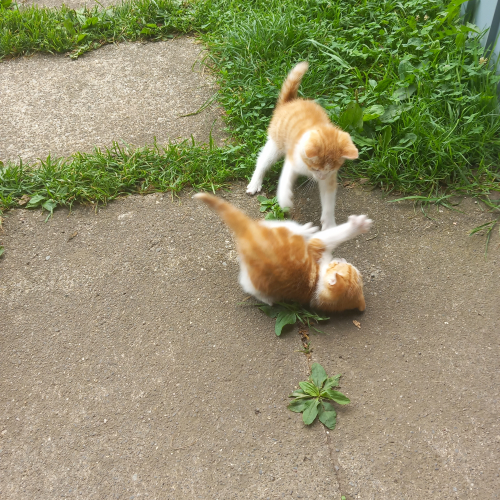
271 206
306 348
315 397
306 343
289 313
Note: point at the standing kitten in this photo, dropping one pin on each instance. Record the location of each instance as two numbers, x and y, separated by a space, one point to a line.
301 131
282 260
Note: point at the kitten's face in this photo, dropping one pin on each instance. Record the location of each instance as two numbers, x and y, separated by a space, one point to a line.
326 149
343 286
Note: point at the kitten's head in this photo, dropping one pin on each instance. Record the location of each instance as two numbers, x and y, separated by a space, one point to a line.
342 287
325 149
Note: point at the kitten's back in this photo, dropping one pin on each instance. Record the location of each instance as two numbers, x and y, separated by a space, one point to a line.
293 116
280 263
293 119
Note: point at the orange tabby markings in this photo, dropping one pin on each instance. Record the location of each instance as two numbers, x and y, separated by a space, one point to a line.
282 260
301 131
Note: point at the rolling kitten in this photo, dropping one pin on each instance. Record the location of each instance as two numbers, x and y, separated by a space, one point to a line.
301 131
282 260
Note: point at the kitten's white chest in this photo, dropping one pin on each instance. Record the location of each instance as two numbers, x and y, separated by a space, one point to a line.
298 163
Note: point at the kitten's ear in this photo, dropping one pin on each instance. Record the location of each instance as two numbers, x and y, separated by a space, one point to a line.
312 147
332 279
350 152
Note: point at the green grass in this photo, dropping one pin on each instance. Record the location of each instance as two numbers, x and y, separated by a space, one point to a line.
103 175
421 106
33 29
407 80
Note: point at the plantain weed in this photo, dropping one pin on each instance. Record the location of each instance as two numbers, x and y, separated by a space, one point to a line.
289 313
271 206
315 397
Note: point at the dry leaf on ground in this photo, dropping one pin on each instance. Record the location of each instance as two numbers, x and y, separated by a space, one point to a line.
24 199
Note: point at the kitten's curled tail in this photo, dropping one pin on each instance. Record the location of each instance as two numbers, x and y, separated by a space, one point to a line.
291 84
234 218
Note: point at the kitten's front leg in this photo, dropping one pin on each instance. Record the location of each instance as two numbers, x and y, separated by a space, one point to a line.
268 156
285 185
328 195
356 224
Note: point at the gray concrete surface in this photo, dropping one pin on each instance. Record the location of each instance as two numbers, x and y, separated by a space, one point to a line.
423 370
130 369
130 92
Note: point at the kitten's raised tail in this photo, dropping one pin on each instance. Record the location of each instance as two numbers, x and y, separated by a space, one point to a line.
234 218
292 82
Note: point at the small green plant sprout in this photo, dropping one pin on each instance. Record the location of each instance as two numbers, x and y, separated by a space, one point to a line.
2 250
271 206
315 396
306 349
488 228
289 314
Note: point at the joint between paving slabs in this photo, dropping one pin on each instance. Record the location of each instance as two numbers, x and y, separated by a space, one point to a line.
335 462
306 344
307 350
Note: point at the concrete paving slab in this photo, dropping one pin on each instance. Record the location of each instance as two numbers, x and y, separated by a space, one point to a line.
129 369
129 366
131 92
423 371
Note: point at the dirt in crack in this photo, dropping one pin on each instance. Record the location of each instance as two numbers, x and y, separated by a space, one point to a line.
306 343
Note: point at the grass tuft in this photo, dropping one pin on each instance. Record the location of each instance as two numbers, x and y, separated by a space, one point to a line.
109 173
26 30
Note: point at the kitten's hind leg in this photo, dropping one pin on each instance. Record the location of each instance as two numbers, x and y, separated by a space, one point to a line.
247 285
334 236
268 156
285 185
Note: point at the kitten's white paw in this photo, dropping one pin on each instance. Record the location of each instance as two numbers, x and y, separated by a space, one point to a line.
309 230
254 187
361 223
285 200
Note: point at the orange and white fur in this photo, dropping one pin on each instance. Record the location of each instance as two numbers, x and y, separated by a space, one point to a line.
283 260
301 131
